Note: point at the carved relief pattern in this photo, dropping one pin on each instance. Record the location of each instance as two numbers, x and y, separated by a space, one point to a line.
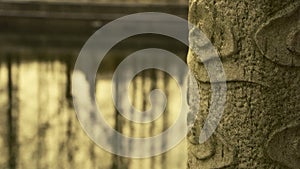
279 38
215 153
258 129
284 145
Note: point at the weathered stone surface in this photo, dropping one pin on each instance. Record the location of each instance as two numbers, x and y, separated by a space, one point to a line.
263 94
284 145
215 153
278 38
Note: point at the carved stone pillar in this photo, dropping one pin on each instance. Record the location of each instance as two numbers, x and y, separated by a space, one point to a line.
259 45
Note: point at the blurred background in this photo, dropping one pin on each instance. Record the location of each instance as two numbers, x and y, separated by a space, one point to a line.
39 44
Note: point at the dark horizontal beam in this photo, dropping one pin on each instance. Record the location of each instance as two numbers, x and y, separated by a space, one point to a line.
44 26
80 11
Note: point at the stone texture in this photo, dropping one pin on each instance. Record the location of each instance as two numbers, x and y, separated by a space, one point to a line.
259 127
278 38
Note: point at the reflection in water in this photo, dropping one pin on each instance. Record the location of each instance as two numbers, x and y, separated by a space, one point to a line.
37 108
